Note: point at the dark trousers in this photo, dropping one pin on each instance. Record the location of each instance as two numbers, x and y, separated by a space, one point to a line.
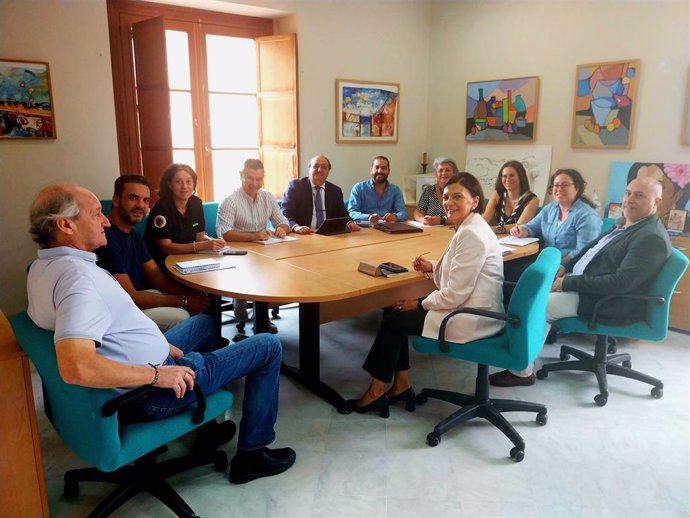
389 352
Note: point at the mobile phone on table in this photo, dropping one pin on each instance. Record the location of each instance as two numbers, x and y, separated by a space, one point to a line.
393 267
235 252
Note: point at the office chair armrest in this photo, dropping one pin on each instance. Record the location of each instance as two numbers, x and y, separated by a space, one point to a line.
509 283
604 300
115 404
512 320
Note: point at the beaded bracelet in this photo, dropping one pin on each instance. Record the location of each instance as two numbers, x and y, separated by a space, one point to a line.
194 246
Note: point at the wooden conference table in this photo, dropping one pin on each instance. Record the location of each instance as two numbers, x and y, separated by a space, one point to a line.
320 273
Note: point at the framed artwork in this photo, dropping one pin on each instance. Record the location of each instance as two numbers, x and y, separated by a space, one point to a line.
501 110
674 179
676 220
26 104
604 104
366 111
615 210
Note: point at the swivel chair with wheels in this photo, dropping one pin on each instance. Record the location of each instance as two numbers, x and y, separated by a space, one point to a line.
653 327
515 347
86 419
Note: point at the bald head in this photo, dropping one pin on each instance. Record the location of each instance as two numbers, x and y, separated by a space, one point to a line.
641 199
319 167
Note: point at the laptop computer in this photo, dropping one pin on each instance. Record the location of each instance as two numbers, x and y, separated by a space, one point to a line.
333 226
396 227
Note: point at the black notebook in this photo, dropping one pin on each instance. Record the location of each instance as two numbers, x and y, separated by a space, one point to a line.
396 228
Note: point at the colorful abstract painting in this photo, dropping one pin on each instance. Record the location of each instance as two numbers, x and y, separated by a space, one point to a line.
502 110
674 178
605 104
26 107
366 112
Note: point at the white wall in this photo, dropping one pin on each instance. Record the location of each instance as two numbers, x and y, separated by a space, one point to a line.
72 36
431 48
474 41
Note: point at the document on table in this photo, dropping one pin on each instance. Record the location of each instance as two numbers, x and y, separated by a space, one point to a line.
202 265
517 241
273 240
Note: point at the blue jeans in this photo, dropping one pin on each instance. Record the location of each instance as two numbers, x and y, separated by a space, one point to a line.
257 359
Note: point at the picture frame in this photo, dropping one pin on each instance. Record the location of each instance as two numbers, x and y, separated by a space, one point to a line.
502 110
26 101
366 112
615 211
604 104
676 220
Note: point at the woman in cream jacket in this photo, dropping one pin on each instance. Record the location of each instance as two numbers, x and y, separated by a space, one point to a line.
469 273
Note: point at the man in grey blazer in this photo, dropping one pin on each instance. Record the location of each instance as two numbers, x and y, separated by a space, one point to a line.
624 260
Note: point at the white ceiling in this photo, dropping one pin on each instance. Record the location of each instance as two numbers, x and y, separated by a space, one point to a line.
225 6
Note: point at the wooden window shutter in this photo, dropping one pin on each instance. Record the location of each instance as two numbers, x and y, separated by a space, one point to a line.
277 98
153 99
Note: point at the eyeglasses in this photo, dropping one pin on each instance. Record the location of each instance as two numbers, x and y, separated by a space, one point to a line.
562 185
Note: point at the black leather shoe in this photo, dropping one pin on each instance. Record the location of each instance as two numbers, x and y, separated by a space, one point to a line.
271 329
508 379
380 405
213 435
264 462
408 396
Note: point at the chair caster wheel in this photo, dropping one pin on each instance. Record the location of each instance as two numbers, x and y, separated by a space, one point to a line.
517 454
275 313
657 392
627 364
564 356
71 489
421 399
551 337
613 345
601 399
542 374
432 439
220 462
542 419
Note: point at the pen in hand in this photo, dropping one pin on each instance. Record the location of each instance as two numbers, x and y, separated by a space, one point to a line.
415 261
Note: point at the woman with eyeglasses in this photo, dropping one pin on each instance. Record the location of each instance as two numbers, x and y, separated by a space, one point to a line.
469 273
512 201
429 209
569 222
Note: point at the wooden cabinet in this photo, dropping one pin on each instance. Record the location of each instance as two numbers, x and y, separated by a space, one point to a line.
679 317
22 490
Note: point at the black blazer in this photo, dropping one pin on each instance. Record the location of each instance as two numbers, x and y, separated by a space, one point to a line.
298 203
626 265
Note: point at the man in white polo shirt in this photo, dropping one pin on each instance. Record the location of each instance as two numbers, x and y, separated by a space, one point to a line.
103 340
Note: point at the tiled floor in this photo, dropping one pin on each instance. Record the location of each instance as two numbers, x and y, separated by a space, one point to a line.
628 459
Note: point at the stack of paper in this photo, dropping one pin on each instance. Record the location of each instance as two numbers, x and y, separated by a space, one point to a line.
197 266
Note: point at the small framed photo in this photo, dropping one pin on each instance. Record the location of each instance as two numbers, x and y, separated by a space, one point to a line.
615 211
676 219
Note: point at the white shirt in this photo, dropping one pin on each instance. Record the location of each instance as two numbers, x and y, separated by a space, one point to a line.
241 213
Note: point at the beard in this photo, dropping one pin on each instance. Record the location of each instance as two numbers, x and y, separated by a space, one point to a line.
380 178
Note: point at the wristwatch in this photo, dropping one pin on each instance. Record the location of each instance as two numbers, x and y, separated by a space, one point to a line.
183 301
444 220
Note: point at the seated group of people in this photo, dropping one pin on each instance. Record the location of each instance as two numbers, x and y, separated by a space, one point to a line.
105 334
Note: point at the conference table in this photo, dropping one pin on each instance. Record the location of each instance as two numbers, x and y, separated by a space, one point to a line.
320 273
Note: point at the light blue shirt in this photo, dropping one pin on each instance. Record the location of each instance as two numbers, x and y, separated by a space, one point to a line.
69 294
365 201
581 226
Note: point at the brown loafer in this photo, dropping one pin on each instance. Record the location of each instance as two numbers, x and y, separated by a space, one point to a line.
508 379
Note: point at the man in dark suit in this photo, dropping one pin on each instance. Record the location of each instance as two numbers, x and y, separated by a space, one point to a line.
308 202
624 260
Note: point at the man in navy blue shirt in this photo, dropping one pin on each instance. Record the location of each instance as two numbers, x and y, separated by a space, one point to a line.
377 199
126 257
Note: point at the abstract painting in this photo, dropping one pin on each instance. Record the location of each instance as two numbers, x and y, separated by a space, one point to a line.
502 110
674 178
26 106
605 104
366 111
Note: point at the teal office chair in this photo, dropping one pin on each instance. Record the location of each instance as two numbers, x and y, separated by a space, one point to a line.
86 420
653 327
513 348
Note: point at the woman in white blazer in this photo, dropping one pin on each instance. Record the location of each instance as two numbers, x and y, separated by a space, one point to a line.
469 273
